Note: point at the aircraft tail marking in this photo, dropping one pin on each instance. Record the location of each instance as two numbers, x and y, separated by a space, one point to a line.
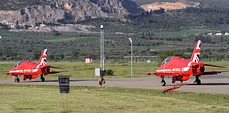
43 61
196 52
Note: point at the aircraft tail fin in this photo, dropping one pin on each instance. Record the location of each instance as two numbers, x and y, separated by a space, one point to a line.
42 61
196 52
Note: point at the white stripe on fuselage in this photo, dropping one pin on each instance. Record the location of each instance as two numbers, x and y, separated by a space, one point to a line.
17 71
185 68
24 71
174 70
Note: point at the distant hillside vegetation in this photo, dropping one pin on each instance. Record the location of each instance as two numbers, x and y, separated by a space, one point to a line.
219 3
17 4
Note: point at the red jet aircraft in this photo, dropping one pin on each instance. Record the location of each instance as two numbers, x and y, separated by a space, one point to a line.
31 70
181 69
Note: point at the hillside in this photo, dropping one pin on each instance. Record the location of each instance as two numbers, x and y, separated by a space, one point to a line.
152 32
77 46
30 12
169 5
218 3
18 4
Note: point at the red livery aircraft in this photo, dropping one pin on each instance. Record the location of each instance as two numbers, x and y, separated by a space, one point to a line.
31 70
181 69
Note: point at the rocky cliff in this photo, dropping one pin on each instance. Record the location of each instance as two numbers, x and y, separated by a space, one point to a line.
67 11
180 4
118 6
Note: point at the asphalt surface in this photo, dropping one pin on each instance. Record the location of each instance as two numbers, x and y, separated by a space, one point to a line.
216 84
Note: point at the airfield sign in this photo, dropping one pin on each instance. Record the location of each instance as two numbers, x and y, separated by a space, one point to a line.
64 84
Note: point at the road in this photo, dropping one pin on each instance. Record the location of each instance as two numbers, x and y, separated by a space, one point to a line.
216 84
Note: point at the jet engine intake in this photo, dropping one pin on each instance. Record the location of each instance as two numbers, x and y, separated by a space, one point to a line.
48 70
202 69
45 70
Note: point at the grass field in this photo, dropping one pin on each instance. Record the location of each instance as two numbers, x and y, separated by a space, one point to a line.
47 99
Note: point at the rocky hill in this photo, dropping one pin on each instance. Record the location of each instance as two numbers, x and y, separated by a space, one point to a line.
181 4
28 12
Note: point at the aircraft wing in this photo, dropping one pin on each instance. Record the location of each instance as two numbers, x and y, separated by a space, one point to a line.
48 66
213 72
211 65
52 72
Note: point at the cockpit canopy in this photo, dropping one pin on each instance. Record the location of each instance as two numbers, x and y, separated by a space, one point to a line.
18 63
166 60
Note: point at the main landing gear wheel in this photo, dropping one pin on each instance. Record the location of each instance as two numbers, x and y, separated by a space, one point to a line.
16 79
198 81
163 82
42 78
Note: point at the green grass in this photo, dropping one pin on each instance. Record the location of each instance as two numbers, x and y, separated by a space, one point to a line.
184 32
37 99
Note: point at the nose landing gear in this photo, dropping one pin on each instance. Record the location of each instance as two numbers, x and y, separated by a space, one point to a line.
16 79
163 83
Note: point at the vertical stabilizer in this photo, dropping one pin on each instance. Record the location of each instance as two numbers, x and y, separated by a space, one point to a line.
196 52
42 60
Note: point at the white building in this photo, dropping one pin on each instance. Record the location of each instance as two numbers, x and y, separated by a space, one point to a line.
219 34
88 60
226 34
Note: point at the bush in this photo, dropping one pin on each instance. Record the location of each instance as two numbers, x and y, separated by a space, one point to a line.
108 72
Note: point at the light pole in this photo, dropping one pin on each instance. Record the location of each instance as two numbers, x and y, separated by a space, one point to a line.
131 59
101 50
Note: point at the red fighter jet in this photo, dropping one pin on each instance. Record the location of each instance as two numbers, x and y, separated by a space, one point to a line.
181 69
31 70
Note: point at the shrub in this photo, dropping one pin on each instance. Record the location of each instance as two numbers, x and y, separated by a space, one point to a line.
108 72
